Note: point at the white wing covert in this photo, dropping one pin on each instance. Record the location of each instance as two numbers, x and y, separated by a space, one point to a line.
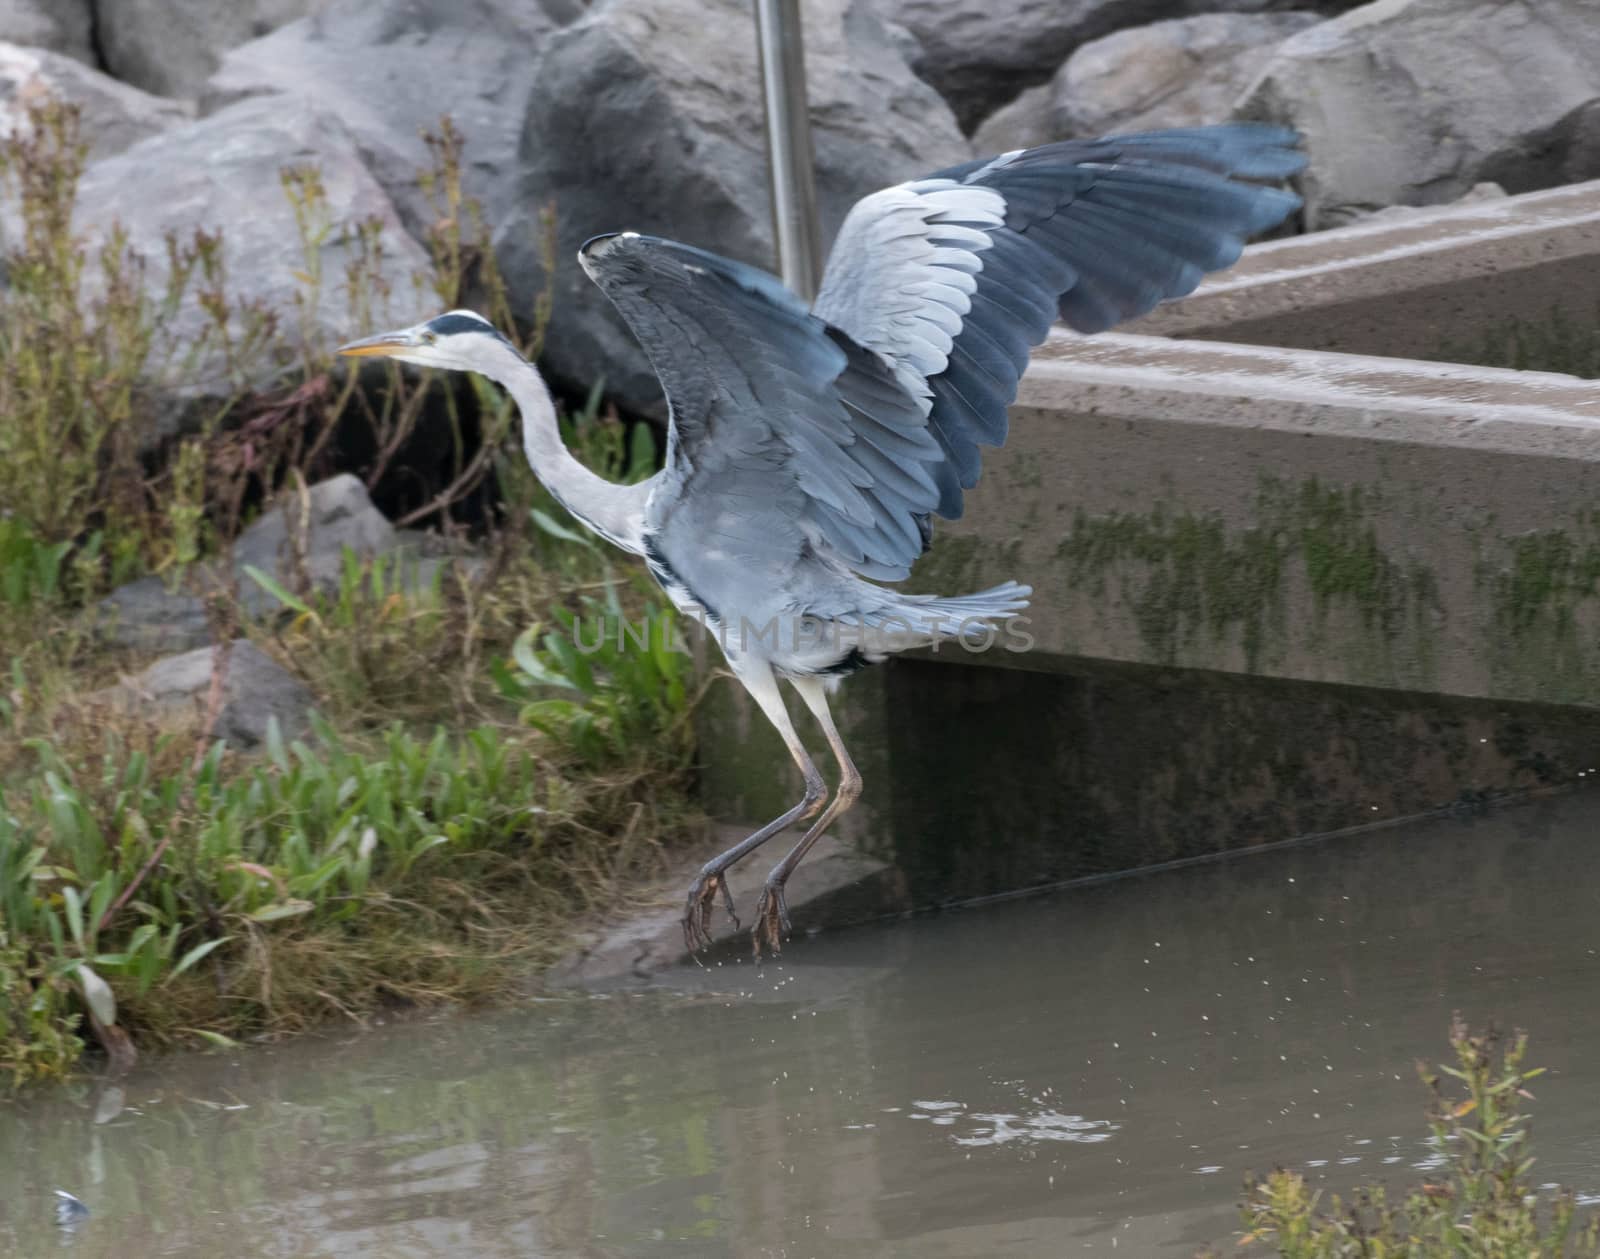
955 278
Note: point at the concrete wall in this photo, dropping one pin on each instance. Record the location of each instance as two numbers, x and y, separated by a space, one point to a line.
1280 513
1436 284
1001 779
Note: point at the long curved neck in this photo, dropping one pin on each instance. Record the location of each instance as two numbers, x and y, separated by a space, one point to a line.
615 512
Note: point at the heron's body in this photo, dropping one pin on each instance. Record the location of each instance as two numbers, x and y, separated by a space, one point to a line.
808 449
790 607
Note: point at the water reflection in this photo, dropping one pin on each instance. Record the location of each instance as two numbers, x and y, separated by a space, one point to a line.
1099 1067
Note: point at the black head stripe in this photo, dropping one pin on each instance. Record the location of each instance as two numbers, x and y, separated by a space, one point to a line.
452 325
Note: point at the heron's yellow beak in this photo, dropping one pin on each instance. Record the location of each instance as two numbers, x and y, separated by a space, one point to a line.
382 345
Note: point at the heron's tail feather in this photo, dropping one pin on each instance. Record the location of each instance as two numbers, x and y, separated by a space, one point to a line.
936 618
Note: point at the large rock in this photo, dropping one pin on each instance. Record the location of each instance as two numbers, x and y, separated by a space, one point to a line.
1182 73
299 544
256 690
170 47
363 60
1487 191
1414 101
982 53
62 26
223 173
114 115
292 542
1565 152
647 115
336 514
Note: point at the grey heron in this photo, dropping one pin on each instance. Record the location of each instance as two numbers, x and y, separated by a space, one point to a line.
808 448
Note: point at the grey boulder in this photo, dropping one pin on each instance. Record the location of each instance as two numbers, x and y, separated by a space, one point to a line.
982 53
113 115
388 69
256 690
1182 73
296 542
1486 191
145 615
299 543
1412 102
62 26
170 47
314 532
647 116
223 174
1565 152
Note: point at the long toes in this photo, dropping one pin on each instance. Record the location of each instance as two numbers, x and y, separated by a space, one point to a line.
695 936
727 900
772 921
775 906
698 908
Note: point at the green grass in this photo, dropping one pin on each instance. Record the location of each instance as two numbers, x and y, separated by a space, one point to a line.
194 890
331 876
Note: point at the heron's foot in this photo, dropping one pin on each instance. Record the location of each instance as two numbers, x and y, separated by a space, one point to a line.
772 920
697 909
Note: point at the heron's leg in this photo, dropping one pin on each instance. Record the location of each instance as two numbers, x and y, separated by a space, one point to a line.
772 914
763 687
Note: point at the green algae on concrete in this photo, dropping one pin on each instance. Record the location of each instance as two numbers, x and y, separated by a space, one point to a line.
1198 577
1561 342
1542 588
1195 582
961 563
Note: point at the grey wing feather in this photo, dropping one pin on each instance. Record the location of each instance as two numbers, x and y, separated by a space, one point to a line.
844 427
954 278
813 435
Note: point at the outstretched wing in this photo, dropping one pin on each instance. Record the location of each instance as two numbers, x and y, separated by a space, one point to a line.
846 426
954 278
783 429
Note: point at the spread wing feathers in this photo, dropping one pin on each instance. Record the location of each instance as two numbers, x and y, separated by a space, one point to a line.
759 387
955 278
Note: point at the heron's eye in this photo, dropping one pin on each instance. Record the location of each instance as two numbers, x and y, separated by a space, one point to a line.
428 338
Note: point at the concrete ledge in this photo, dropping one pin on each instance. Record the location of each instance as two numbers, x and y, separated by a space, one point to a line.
1319 517
1432 285
833 886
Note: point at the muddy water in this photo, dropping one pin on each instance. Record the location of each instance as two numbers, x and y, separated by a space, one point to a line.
1091 1071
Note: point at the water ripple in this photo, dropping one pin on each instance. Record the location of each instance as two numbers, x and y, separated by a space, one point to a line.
997 1128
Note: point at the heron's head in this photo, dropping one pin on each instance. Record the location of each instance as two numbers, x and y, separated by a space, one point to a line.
458 340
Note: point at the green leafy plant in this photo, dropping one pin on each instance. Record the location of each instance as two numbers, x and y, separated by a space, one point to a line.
1482 1205
82 332
619 682
160 898
38 1032
607 678
32 571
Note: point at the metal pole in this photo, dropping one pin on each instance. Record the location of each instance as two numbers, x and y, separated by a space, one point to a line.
782 55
